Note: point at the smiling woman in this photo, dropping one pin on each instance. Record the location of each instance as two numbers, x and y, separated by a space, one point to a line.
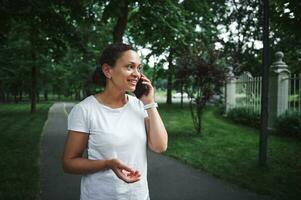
116 129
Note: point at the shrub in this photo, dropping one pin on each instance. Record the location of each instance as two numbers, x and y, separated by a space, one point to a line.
245 116
289 124
221 108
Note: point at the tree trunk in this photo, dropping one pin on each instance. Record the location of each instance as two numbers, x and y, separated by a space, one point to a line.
16 97
77 94
120 26
33 69
20 95
2 93
87 90
196 111
182 91
169 88
193 115
169 78
199 116
7 96
38 96
154 77
2 96
46 95
33 84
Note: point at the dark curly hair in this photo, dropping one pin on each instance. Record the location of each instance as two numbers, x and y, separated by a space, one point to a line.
109 56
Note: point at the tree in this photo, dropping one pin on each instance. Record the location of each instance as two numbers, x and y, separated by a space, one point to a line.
44 30
285 37
27 19
206 79
117 10
181 76
240 35
169 27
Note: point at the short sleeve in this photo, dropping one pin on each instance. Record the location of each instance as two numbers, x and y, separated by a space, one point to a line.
78 119
142 109
145 113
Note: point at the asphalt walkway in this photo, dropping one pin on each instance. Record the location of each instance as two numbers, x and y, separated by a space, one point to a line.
168 178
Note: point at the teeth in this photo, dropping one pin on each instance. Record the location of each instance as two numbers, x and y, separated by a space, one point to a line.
133 81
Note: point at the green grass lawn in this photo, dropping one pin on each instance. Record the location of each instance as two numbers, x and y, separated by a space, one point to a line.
230 152
20 150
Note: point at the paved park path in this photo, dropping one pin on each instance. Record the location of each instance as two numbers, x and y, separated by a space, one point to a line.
168 179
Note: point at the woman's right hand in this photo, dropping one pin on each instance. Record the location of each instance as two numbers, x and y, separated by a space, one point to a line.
124 172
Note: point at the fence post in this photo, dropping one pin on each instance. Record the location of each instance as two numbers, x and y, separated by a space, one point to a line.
278 89
230 90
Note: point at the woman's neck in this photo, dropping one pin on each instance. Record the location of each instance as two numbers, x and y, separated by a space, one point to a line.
112 99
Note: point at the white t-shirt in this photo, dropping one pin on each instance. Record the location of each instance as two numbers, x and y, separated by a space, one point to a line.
113 133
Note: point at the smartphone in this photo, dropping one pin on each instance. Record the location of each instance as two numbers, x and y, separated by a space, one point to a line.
141 89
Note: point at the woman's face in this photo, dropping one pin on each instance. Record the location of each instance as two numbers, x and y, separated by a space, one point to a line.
126 71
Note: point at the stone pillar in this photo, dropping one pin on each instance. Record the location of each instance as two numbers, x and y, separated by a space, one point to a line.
278 89
230 90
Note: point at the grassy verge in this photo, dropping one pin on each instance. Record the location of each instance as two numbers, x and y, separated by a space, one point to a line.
20 149
230 151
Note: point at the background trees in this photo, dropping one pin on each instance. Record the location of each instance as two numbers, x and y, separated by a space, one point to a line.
285 18
52 46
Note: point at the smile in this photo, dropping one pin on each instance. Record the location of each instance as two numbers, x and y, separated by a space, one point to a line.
133 82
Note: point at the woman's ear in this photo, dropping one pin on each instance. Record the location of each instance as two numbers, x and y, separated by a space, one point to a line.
106 69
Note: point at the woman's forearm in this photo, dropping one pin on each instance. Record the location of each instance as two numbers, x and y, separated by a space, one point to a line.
158 138
84 166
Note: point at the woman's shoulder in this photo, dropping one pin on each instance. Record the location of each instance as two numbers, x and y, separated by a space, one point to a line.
86 103
135 101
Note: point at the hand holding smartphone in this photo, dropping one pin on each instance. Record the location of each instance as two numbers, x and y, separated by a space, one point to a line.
141 89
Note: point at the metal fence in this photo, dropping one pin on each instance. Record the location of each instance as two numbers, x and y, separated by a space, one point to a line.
248 92
294 99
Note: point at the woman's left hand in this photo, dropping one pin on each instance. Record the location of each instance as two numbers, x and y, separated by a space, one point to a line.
149 97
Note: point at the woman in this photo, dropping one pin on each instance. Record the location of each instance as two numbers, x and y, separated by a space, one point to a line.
116 129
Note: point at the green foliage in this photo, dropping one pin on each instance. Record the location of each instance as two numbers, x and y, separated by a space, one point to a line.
170 29
221 108
243 20
289 124
59 37
285 17
158 23
67 36
205 81
201 77
244 116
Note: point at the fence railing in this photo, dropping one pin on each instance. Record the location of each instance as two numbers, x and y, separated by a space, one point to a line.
244 91
248 92
294 99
